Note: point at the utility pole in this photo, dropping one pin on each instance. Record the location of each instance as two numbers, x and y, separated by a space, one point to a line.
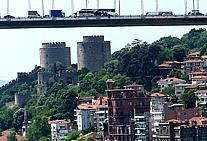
186 5
156 5
142 7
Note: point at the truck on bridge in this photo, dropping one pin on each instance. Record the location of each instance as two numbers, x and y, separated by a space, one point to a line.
95 12
160 13
33 14
56 13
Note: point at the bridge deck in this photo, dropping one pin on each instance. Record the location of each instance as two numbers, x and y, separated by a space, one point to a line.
55 22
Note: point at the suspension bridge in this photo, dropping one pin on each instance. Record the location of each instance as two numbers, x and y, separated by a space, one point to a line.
104 21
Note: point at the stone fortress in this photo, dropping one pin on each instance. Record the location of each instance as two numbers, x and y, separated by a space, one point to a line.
93 52
50 53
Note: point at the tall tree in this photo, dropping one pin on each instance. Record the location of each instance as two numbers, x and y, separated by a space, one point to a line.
38 128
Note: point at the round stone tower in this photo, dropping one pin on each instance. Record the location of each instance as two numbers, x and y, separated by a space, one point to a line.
50 53
93 52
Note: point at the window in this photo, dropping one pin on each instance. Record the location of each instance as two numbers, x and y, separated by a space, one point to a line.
141 103
121 103
130 103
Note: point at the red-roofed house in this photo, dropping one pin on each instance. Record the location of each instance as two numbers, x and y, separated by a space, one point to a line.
192 56
169 82
92 114
201 97
198 121
5 135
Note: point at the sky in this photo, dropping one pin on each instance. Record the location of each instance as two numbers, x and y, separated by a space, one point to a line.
19 48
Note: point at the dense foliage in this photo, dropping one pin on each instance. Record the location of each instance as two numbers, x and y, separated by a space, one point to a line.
137 62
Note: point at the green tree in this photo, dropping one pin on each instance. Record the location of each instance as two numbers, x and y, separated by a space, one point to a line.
43 139
173 98
90 139
178 53
189 99
72 135
175 73
169 91
38 128
12 137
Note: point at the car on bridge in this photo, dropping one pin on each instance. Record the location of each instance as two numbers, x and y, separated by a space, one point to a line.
195 13
9 17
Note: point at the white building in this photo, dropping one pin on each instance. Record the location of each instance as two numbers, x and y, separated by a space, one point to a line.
142 126
92 114
100 114
60 129
85 116
201 97
199 79
181 88
156 110
169 82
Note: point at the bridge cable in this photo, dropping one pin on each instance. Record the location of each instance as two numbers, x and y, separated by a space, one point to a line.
97 4
72 6
7 7
29 5
186 5
142 7
156 5
115 5
43 12
197 4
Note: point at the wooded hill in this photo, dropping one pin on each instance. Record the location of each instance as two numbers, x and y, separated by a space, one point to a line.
136 62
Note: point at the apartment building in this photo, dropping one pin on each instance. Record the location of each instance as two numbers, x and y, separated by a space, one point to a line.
60 129
179 112
177 130
123 106
201 98
169 82
92 114
156 110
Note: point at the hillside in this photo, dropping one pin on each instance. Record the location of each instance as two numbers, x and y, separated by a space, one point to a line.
137 62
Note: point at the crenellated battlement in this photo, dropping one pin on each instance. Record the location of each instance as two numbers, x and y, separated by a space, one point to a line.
53 44
97 38
52 52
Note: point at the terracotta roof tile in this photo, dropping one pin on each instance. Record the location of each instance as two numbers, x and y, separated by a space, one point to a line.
171 79
201 91
157 95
